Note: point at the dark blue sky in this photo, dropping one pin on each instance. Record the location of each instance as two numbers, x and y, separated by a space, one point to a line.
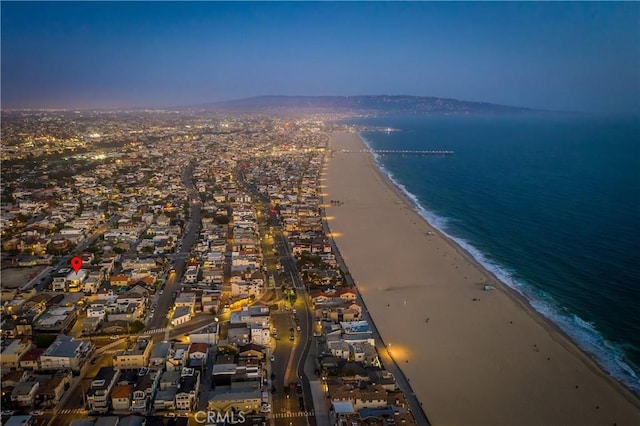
576 56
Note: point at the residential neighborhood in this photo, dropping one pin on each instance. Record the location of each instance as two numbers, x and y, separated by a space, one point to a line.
208 281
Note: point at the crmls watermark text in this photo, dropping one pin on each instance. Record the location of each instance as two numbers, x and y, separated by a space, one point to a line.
228 417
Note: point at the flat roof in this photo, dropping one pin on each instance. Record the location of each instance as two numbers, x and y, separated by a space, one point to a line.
18 420
236 395
63 347
343 407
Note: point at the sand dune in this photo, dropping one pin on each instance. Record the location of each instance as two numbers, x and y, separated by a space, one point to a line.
473 357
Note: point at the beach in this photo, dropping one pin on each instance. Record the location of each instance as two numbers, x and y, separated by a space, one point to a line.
473 357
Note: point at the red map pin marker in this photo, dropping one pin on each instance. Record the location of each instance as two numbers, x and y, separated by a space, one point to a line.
76 263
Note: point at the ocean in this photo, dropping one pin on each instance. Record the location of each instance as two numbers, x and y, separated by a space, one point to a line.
549 203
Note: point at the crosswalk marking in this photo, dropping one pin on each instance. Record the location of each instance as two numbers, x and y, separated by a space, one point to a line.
294 414
73 411
156 330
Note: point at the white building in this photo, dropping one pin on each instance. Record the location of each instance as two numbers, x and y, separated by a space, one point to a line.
65 353
181 315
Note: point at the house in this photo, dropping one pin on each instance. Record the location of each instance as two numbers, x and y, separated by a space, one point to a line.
97 310
198 354
255 314
91 285
9 328
383 378
56 319
132 421
339 349
248 373
65 353
246 289
121 397
75 281
31 360
20 420
186 299
319 297
339 314
24 393
224 370
165 399
59 281
170 379
181 315
238 334
363 395
208 335
191 274
11 355
178 357
346 294
135 357
143 287
343 413
159 354
119 281
126 309
260 334
146 263
187 389
213 275
251 351
144 389
108 421
52 389
13 377
238 399
353 338
98 393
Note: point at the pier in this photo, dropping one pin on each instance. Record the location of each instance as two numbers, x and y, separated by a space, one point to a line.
396 152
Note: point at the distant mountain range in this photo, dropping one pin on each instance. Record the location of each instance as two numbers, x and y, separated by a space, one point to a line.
378 104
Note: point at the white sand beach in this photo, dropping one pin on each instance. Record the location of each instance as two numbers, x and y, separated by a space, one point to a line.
473 357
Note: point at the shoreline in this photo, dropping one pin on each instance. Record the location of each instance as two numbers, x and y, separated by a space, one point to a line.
496 366
514 292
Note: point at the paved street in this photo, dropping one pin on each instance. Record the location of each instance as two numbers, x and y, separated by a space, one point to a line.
172 285
286 401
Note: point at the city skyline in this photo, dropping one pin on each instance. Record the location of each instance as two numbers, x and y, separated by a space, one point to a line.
560 56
